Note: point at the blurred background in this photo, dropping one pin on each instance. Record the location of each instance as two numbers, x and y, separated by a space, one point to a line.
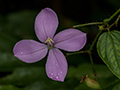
17 23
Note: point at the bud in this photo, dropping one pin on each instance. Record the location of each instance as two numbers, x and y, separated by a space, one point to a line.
101 27
90 82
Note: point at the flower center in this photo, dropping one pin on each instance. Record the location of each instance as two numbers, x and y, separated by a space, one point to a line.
49 42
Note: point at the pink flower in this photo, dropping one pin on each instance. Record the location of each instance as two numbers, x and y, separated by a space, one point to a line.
31 51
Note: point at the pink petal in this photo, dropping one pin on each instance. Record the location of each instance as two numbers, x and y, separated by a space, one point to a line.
46 24
70 40
30 51
56 66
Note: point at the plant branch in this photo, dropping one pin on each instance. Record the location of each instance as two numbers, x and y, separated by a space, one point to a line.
115 23
111 17
89 51
86 24
93 43
75 53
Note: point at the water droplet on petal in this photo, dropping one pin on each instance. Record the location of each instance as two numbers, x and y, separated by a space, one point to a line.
51 73
61 72
21 52
56 65
58 73
56 77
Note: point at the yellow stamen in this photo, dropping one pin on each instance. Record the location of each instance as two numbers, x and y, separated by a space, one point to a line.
49 41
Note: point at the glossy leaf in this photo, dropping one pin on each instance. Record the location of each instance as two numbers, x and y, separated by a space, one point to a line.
108 47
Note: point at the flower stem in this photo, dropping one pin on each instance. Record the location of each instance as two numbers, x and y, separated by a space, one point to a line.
93 68
93 43
90 55
75 53
82 25
111 17
86 24
108 86
92 63
90 50
115 23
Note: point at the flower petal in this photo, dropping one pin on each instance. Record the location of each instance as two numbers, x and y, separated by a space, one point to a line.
70 40
30 51
46 24
56 66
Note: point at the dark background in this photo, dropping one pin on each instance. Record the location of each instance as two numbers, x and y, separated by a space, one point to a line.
79 10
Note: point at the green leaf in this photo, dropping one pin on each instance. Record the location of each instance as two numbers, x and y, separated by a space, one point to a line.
35 78
6 42
8 62
86 69
21 24
10 87
112 85
24 74
108 47
117 87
